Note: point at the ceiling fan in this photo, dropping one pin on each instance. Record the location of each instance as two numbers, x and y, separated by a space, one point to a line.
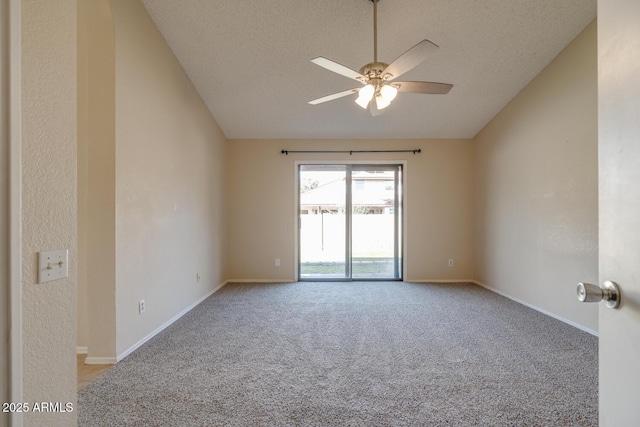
378 78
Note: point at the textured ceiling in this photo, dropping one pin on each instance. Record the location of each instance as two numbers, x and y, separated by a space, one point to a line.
250 60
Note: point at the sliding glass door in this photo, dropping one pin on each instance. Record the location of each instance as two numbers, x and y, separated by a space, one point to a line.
350 219
375 222
323 222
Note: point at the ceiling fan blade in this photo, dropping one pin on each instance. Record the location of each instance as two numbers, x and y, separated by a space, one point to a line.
338 68
333 96
429 88
410 59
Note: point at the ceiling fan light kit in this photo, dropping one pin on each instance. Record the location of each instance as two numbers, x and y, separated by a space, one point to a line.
364 95
389 92
376 77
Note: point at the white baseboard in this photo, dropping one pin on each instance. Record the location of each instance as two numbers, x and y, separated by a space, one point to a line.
167 323
294 280
82 350
114 360
541 310
260 281
440 281
100 361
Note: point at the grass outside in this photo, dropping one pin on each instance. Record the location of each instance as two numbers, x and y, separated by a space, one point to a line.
359 266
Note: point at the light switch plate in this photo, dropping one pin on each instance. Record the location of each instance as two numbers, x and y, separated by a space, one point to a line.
53 265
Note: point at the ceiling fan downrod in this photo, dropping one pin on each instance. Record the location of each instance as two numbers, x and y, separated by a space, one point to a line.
373 70
375 30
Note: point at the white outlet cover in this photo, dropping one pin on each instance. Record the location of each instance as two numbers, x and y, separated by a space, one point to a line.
53 265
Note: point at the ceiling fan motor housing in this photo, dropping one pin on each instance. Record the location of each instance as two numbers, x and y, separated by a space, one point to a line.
373 70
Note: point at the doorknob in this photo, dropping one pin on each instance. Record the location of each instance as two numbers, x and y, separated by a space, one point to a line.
609 293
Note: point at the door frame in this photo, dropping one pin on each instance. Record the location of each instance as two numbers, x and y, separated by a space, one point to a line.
5 329
10 37
296 203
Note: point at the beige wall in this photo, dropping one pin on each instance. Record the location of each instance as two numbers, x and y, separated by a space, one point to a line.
536 188
150 182
96 179
48 203
439 204
170 174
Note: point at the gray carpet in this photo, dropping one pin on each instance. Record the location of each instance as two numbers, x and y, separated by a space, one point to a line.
353 354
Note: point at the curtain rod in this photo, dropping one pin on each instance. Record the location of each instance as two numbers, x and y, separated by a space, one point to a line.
286 152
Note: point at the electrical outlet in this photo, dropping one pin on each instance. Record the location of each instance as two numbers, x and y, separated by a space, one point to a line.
141 306
277 262
450 263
